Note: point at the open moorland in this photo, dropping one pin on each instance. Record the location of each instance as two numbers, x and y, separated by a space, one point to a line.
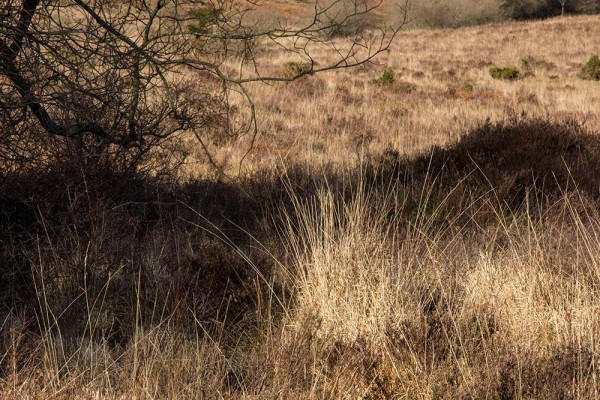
413 228
441 89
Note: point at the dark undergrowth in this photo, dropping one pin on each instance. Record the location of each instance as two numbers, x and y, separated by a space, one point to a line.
197 251
517 167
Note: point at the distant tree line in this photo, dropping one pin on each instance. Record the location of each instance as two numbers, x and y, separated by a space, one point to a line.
525 9
442 13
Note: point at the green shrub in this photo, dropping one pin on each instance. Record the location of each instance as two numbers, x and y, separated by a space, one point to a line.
591 70
387 77
505 73
463 90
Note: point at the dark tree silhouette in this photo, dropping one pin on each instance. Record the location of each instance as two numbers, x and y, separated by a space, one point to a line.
127 77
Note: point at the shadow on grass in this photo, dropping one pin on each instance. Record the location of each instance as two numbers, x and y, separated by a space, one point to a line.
69 235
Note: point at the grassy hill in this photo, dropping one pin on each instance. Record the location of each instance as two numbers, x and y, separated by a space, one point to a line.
442 88
416 228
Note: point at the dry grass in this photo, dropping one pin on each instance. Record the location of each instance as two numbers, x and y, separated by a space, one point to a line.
438 317
443 88
373 249
466 272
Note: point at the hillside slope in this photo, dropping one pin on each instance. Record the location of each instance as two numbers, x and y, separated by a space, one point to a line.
442 88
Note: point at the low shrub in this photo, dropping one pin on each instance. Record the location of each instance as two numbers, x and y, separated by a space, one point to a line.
464 90
591 70
527 156
505 73
387 77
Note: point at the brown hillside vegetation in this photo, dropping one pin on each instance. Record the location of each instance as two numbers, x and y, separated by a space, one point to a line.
427 233
442 88
467 271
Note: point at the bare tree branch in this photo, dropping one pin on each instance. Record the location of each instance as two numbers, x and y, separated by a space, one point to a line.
119 72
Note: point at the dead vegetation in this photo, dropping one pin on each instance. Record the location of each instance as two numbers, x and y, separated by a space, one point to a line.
442 88
435 235
467 271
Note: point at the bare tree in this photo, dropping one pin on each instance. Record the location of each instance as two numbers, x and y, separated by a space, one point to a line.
126 78
562 7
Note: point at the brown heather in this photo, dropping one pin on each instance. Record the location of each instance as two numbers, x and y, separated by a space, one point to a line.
434 238
442 89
